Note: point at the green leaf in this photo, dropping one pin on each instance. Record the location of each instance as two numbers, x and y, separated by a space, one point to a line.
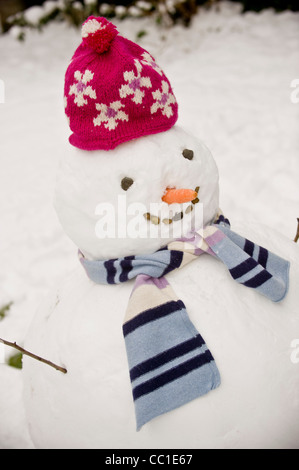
16 361
4 310
141 33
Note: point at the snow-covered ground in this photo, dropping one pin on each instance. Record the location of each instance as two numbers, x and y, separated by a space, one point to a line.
232 76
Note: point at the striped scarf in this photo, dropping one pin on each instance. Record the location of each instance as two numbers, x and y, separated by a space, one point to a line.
169 361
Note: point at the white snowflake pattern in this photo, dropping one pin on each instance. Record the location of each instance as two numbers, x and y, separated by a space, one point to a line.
134 84
110 115
149 60
81 89
163 100
91 27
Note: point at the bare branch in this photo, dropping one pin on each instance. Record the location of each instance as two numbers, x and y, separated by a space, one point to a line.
297 234
34 356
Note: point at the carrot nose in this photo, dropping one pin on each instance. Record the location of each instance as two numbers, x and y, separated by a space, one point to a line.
172 195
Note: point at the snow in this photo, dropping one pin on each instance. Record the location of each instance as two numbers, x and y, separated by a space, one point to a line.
34 14
232 77
79 327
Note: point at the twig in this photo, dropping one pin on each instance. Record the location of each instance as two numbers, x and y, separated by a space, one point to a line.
34 356
297 234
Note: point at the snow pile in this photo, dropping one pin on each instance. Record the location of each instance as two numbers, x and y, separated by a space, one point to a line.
231 75
250 337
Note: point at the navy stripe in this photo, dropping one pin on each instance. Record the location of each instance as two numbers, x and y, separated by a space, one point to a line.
172 374
220 219
126 265
163 248
263 257
111 270
166 356
176 258
249 247
152 314
259 279
243 268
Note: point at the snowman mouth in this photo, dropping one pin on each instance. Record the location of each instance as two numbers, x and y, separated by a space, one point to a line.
156 220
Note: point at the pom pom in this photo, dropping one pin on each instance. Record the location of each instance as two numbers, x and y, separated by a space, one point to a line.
98 33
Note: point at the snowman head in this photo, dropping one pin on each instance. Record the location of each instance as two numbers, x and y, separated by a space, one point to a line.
138 197
132 181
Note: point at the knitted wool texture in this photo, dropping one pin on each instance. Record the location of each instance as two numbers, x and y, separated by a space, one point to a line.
114 90
169 361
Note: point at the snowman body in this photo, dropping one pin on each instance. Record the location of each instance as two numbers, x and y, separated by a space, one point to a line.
80 326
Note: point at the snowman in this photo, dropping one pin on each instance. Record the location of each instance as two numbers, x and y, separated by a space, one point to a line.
162 347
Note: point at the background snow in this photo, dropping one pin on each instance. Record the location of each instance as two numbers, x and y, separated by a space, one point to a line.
232 77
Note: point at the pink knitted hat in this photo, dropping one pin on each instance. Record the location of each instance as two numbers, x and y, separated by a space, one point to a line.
114 90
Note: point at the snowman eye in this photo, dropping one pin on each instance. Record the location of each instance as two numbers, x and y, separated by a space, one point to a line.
189 154
126 183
